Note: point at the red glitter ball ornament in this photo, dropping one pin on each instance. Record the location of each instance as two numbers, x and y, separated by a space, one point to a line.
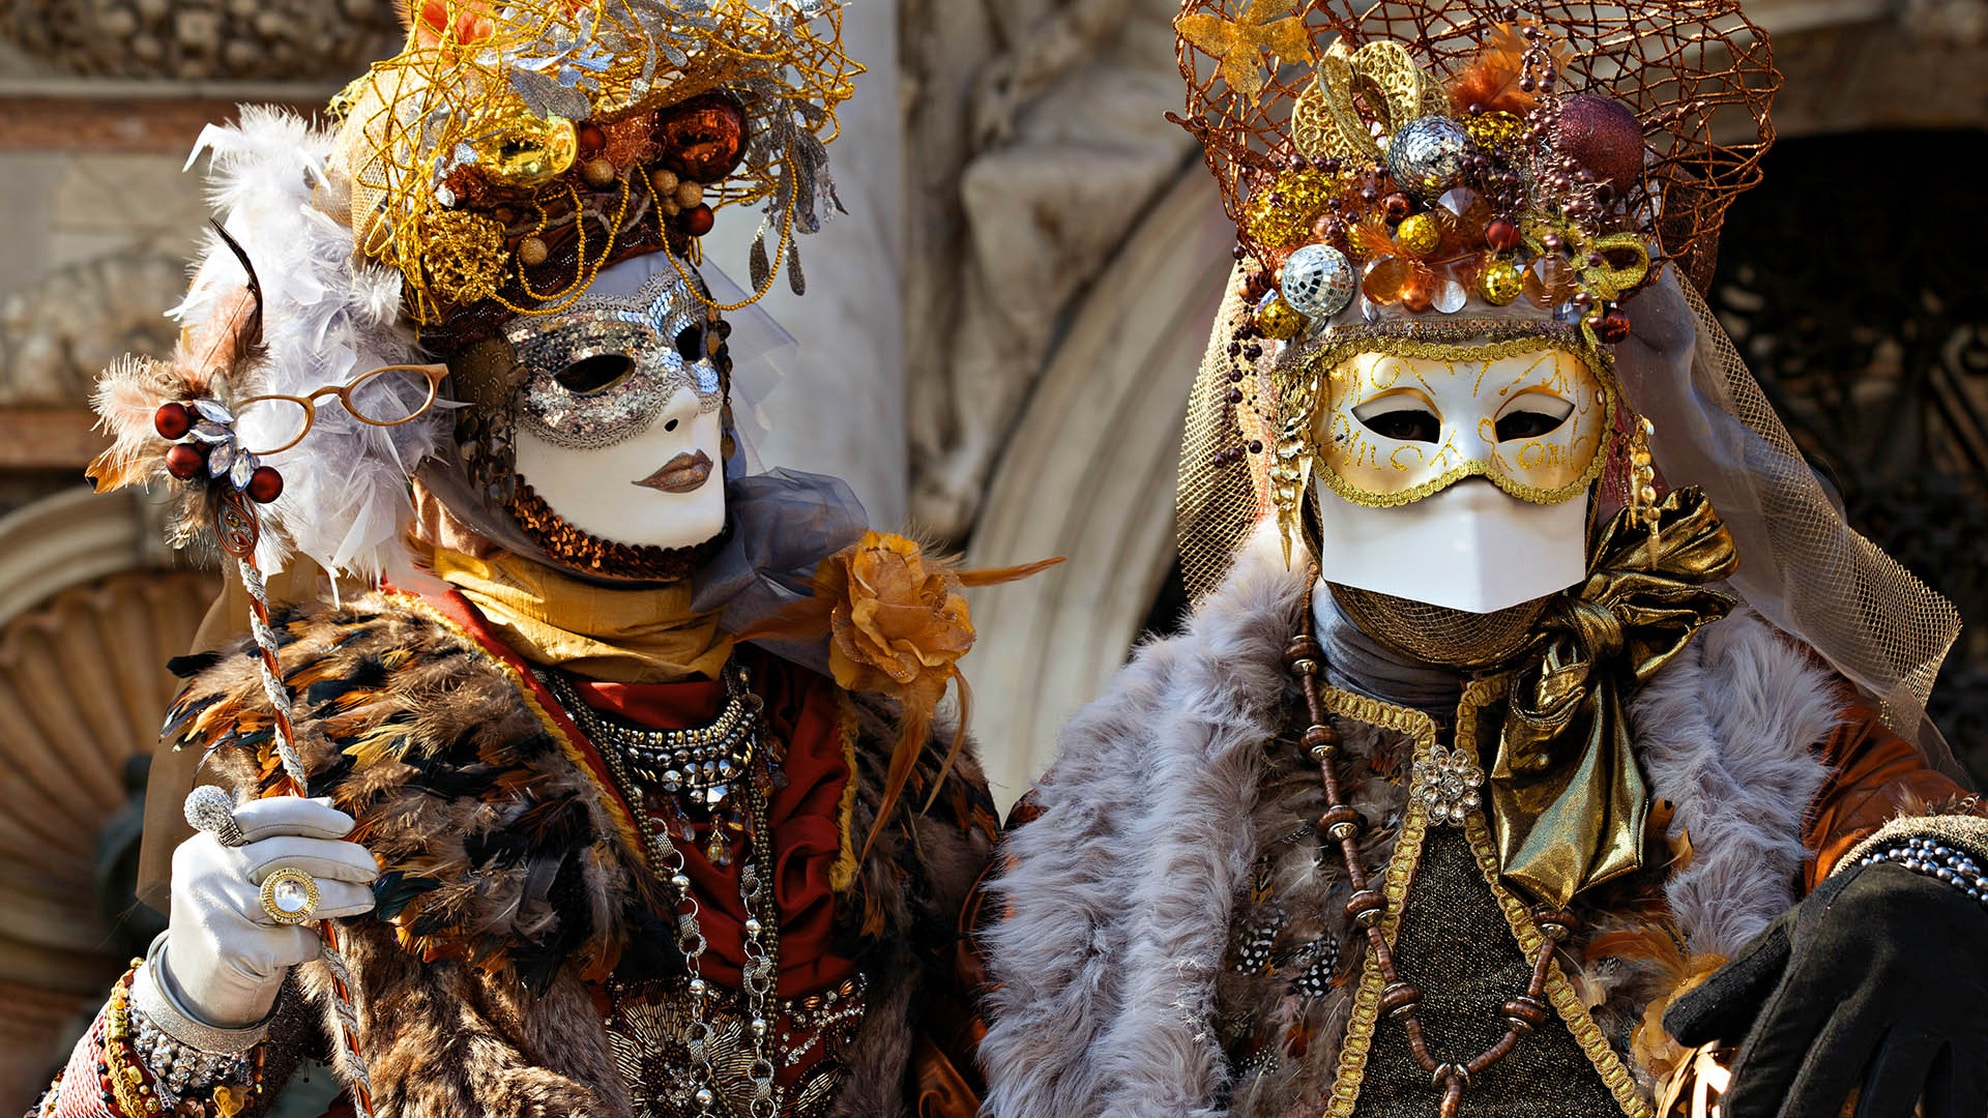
185 460
1502 234
1602 135
172 420
702 139
265 485
697 220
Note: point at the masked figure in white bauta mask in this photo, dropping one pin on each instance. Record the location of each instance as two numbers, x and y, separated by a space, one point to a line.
1541 742
605 778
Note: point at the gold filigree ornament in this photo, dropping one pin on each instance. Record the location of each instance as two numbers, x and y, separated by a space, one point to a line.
1327 121
1242 42
466 256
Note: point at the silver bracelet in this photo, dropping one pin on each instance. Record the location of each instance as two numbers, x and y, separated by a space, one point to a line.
154 1002
1936 859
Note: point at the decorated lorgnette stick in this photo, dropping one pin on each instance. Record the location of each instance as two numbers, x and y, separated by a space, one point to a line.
203 431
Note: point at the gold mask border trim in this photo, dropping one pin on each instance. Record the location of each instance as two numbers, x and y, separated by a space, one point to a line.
1295 420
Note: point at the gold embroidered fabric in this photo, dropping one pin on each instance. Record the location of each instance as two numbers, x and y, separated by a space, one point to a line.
1372 1044
1567 803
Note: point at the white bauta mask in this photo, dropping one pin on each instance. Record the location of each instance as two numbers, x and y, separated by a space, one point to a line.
1458 475
620 420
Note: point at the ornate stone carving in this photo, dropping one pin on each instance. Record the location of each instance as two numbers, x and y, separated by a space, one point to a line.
58 335
1022 186
203 40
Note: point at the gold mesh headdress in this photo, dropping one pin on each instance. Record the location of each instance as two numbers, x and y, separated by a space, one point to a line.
513 149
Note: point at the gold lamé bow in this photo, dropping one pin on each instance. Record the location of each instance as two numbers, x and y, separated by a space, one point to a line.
1327 122
1567 801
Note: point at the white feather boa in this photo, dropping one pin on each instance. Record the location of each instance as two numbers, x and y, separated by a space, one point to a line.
328 317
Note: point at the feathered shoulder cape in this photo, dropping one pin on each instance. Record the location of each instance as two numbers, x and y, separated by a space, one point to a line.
511 878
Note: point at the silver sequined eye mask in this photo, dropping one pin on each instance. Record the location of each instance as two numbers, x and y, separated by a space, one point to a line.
599 372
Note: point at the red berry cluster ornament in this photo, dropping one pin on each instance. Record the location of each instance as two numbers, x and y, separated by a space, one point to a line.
189 459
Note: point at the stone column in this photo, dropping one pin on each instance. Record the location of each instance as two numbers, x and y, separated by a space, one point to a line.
840 408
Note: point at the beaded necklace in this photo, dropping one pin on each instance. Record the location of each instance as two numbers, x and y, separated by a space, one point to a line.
1342 823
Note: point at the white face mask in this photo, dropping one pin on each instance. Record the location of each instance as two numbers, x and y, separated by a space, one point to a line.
1459 480
620 420
663 488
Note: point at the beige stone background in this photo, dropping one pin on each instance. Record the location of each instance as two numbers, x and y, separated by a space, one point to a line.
997 348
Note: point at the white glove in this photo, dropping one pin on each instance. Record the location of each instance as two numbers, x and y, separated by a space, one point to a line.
225 958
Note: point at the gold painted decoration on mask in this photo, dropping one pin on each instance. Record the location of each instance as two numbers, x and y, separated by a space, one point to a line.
1468 390
1305 397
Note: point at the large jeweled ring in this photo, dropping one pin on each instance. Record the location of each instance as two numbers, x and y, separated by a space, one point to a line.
289 896
210 809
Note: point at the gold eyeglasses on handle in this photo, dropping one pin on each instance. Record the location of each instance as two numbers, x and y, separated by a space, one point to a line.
377 399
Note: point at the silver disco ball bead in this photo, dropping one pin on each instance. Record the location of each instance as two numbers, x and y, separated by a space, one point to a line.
1318 281
1427 155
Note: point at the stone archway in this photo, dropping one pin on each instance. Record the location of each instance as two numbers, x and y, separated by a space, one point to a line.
87 622
1088 474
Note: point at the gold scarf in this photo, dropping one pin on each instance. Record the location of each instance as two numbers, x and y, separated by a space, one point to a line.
1568 804
634 635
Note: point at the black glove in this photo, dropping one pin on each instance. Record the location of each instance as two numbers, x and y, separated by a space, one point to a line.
1878 981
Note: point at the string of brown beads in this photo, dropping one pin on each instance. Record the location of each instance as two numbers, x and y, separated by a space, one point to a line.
1342 823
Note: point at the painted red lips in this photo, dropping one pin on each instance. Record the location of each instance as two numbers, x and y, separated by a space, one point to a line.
683 474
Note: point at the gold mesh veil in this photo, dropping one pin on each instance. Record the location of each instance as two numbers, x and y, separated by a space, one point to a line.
1801 566
1216 503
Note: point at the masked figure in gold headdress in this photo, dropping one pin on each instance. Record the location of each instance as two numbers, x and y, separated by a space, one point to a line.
1553 747
604 781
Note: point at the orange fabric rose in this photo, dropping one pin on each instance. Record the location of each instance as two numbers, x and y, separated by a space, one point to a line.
896 625
896 621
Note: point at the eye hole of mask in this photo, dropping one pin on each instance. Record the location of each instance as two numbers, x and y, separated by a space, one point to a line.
1401 418
598 373
1532 416
690 342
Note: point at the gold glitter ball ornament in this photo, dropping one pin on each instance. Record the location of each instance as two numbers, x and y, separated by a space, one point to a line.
466 257
1278 320
1500 282
1418 234
1281 215
1495 131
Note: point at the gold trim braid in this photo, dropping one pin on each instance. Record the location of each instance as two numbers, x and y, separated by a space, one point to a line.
1357 1045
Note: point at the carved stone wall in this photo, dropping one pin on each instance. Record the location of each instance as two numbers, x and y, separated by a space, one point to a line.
201 40
1036 137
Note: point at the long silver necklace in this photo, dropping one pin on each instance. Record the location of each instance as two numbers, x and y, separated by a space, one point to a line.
711 767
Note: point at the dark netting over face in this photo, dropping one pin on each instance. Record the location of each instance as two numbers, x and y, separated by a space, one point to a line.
1801 566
